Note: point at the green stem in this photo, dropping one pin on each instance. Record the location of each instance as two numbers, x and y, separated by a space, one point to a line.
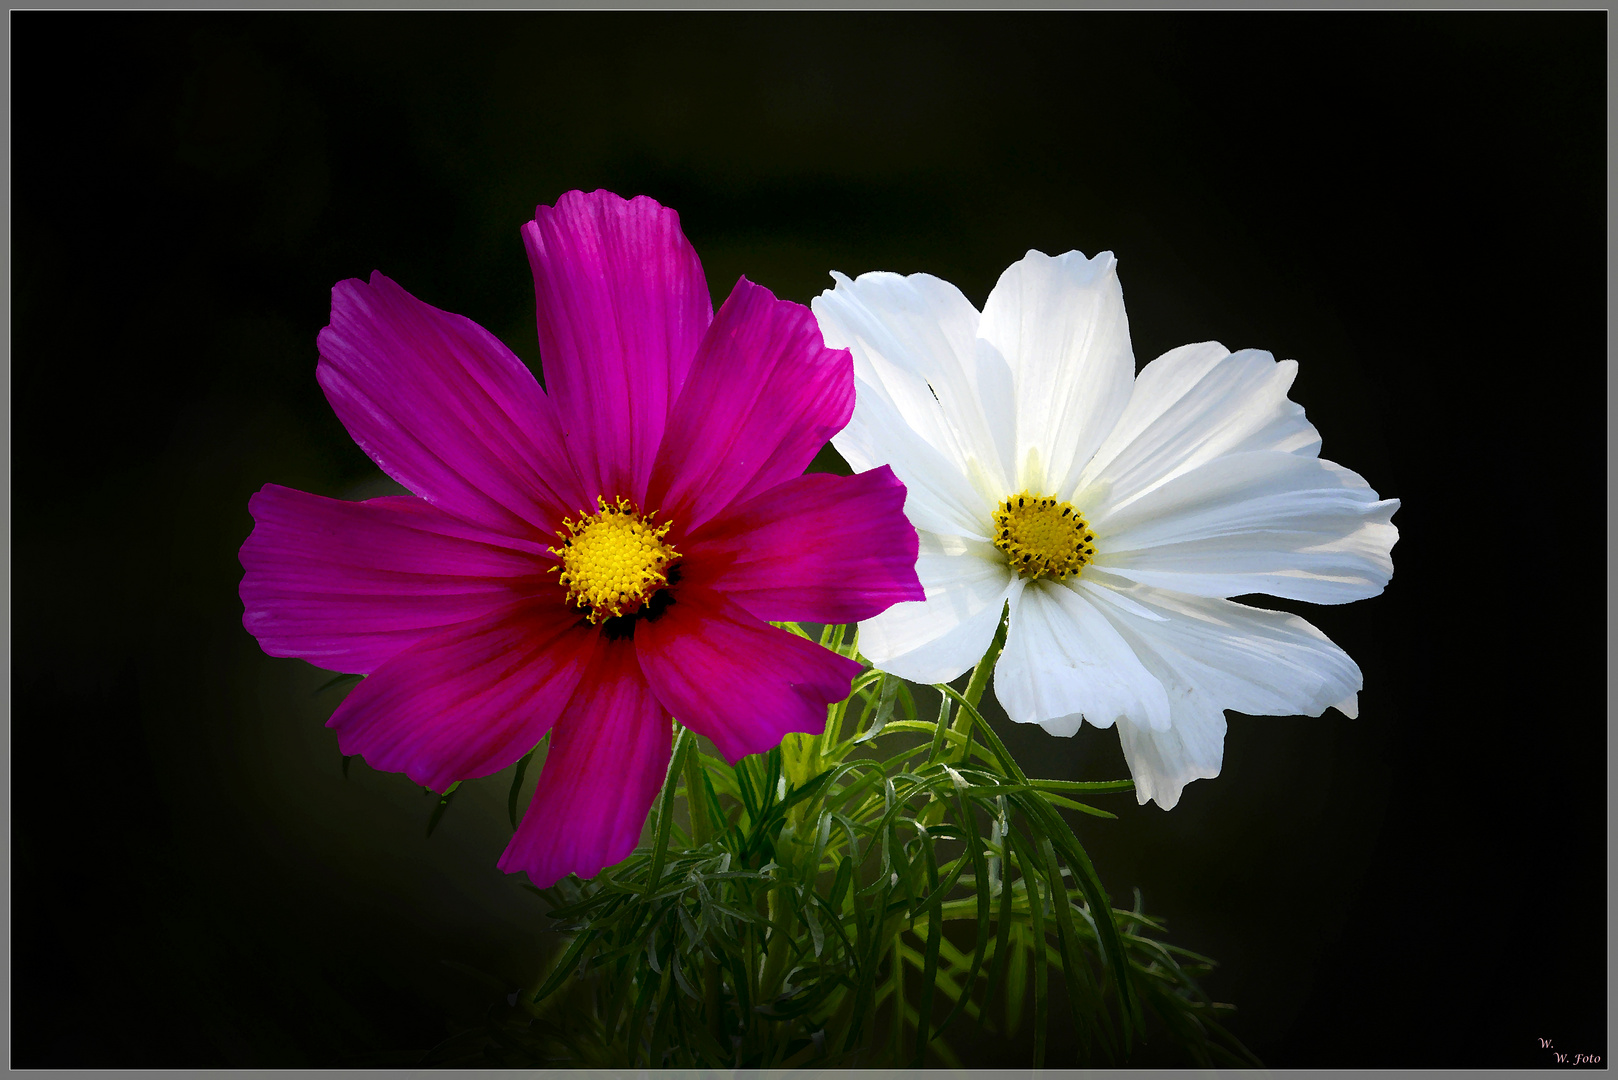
696 804
980 679
696 800
778 949
980 674
897 997
712 999
837 1029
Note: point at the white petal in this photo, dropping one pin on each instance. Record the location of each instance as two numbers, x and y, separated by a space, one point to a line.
938 497
1064 663
1060 324
1257 521
1231 656
1189 406
1162 763
914 341
936 639
1090 584
1213 655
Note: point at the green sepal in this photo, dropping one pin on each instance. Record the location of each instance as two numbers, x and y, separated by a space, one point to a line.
336 680
443 804
516 784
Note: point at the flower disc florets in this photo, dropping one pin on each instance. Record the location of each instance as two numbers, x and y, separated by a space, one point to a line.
614 560
1043 537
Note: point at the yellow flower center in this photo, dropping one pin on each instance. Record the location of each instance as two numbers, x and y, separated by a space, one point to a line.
614 560
1042 537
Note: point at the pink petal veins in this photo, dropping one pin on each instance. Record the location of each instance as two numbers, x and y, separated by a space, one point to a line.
609 756
445 409
764 396
347 585
818 548
736 679
470 700
622 305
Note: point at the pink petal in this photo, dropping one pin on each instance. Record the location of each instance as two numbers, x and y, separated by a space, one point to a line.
348 585
609 756
734 678
622 304
763 397
470 700
445 409
822 548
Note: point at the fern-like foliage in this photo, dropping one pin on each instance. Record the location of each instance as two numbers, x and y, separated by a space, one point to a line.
825 905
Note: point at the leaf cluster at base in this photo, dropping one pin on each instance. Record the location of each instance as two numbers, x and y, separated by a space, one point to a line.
823 905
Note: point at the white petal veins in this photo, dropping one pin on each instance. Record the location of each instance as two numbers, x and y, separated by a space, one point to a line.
1251 522
1063 661
1256 661
939 497
914 339
1194 404
1213 655
1060 324
1162 763
936 639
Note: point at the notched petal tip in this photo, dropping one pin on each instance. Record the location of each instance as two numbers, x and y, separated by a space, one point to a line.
1064 727
1085 268
601 197
1165 800
840 278
355 292
1164 763
621 306
755 301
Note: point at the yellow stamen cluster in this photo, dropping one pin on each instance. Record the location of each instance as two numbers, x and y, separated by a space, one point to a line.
614 560
1043 537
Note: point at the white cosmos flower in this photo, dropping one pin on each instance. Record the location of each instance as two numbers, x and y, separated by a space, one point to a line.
1146 503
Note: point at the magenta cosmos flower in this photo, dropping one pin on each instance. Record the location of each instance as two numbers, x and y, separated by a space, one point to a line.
591 558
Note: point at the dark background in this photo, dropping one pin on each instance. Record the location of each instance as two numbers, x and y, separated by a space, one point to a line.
1411 205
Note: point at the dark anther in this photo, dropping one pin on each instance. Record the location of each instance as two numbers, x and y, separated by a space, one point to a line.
619 627
1019 502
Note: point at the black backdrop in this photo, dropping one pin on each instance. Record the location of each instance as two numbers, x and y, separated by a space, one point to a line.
1411 205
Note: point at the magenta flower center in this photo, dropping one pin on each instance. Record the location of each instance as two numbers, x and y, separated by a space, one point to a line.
614 560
